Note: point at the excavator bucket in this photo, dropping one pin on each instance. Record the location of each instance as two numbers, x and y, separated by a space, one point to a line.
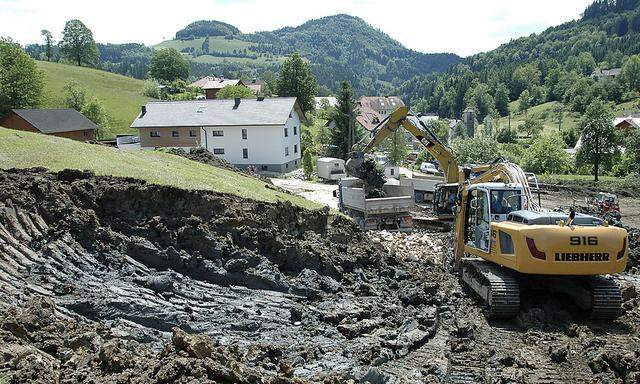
355 162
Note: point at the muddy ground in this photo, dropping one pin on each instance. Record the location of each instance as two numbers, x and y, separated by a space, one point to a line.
114 280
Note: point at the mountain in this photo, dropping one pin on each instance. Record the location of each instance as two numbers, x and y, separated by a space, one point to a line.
339 47
204 28
555 65
344 47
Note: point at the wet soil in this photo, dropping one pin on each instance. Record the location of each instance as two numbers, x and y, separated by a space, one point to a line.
115 280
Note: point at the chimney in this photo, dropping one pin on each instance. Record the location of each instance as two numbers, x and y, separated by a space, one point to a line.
260 98
143 110
236 104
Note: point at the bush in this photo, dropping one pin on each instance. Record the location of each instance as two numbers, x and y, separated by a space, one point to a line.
547 155
531 126
506 135
476 150
570 136
151 89
307 164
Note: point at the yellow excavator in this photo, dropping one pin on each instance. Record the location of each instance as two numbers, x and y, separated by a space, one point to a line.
505 242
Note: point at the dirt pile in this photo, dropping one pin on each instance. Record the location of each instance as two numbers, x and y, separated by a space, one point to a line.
41 346
157 284
285 285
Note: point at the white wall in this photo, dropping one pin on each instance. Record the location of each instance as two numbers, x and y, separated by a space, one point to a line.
266 144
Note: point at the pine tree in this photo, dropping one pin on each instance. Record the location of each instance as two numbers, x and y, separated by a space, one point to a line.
344 133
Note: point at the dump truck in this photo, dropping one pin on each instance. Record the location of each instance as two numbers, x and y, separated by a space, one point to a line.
330 168
391 212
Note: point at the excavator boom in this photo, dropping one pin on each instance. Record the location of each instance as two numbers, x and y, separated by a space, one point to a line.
401 118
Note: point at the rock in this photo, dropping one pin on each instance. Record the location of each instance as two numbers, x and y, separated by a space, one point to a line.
198 346
558 354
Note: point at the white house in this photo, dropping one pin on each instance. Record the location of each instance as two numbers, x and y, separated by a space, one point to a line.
262 132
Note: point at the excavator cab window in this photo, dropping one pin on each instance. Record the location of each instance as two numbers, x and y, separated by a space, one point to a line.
503 202
478 220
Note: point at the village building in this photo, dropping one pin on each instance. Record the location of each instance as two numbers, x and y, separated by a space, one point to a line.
372 110
67 123
254 85
263 133
606 74
211 85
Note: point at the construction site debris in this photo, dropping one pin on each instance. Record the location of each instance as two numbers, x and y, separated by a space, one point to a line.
115 280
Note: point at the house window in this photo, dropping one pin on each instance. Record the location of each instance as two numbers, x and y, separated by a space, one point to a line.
175 134
295 148
217 133
295 130
85 133
244 134
264 167
218 151
286 132
245 153
154 133
192 133
286 151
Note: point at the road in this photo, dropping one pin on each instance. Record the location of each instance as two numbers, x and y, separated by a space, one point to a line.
318 192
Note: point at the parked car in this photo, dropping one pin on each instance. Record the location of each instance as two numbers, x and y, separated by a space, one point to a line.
429 168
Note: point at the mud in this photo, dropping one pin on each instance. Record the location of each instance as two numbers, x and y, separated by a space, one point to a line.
115 280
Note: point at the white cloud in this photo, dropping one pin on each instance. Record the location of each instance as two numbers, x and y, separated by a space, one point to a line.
462 27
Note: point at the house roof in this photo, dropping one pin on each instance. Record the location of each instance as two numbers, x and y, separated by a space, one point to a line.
221 83
56 120
202 113
381 102
201 82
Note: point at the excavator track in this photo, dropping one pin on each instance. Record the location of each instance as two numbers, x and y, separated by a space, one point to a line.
498 287
606 298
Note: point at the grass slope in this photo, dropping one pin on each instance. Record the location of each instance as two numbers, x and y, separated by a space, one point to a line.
216 43
20 149
543 112
220 44
121 95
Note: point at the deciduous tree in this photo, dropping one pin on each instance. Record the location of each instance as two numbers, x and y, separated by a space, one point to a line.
20 80
297 80
78 45
233 91
168 65
599 139
547 155
48 43
502 99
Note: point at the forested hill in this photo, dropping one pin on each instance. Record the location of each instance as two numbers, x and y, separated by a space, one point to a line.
344 47
555 65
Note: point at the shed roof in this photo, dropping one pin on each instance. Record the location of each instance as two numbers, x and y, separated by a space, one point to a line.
202 113
56 120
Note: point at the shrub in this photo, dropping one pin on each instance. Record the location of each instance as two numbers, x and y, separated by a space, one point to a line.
547 155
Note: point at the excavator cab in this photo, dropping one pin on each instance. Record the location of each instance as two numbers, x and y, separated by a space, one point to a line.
444 201
488 203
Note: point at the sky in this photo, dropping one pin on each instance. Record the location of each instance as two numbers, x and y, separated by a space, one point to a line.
463 27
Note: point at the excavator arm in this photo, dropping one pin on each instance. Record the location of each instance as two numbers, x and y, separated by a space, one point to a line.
400 118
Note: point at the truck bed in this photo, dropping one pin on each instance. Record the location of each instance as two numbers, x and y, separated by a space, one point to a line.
400 199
